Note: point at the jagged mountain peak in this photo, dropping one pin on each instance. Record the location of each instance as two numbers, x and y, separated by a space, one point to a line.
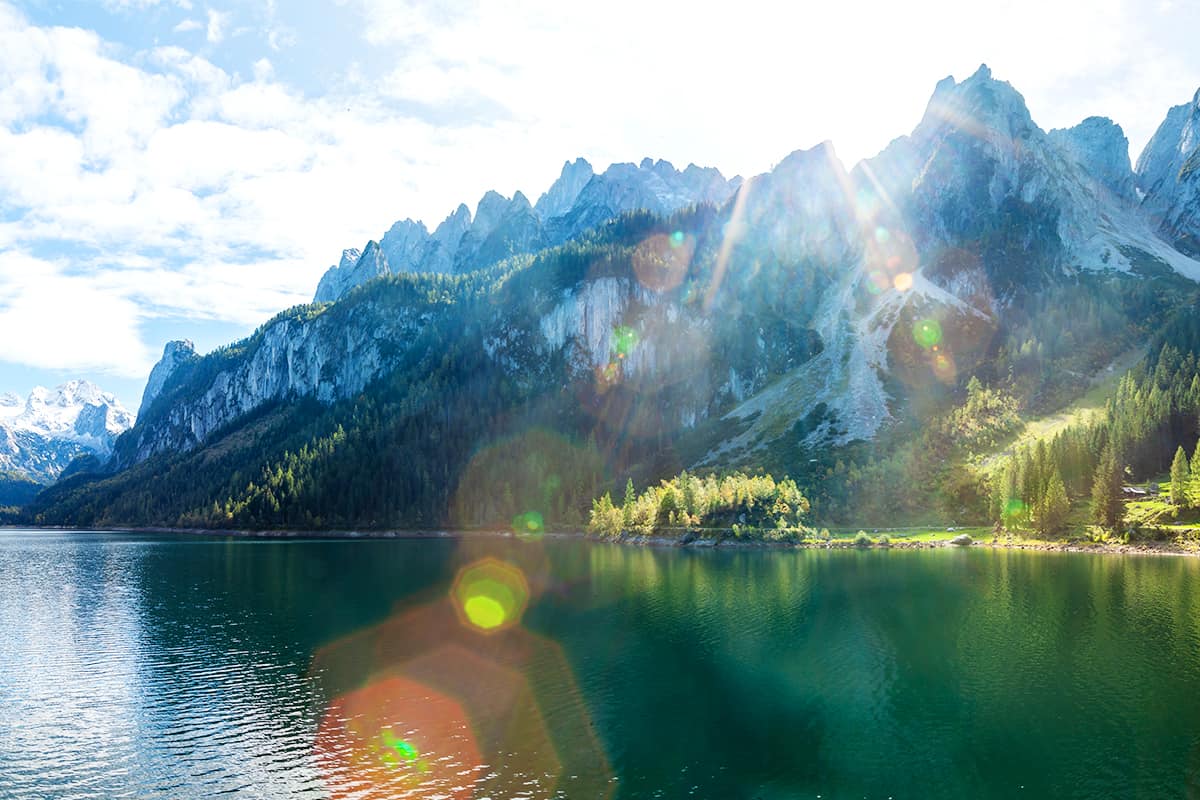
350 257
404 245
1099 146
819 156
490 209
404 225
1168 175
561 195
501 227
175 354
981 106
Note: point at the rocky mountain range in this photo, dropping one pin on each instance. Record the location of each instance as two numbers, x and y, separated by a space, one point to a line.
659 319
502 227
40 435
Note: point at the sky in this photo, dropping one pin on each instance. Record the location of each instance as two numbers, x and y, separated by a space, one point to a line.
186 169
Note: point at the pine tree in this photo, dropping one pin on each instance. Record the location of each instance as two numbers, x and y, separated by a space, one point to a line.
1193 490
1054 507
1106 490
1179 478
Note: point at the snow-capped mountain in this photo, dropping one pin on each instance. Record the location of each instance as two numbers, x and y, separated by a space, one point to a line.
501 227
42 433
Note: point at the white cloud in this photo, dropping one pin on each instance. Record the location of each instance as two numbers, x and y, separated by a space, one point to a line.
189 191
188 25
741 85
263 70
49 318
217 20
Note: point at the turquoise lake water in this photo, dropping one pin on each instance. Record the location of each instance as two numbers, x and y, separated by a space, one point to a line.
155 666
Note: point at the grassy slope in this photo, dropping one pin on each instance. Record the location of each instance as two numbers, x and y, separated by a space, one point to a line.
916 534
1089 407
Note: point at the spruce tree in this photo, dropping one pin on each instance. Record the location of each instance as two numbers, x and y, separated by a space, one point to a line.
1179 478
1193 490
1106 490
1054 507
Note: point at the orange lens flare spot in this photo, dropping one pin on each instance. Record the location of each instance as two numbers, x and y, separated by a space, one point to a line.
397 738
944 368
661 262
903 282
490 595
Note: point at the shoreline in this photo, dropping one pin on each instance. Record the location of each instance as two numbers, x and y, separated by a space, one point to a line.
698 543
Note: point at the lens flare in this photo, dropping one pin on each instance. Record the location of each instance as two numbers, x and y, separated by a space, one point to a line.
490 595
423 707
928 333
529 523
877 281
943 367
1013 507
903 282
624 340
866 204
399 738
882 235
661 262
403 749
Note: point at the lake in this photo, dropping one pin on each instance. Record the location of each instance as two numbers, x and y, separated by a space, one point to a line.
161 666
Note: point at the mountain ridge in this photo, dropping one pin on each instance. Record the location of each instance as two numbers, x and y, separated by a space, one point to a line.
816 313
578 201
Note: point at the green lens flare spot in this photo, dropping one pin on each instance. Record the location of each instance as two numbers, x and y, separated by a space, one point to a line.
624 340
396 749
402 748
1013 507
490 595
928 333
676 238
530 523
485 612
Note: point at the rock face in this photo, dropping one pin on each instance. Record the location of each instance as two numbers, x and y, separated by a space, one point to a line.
1099 146
175 355
654 186
40 436
559 198
977 169
354 270
502 227
1168 173
339 279
326 357
404 246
